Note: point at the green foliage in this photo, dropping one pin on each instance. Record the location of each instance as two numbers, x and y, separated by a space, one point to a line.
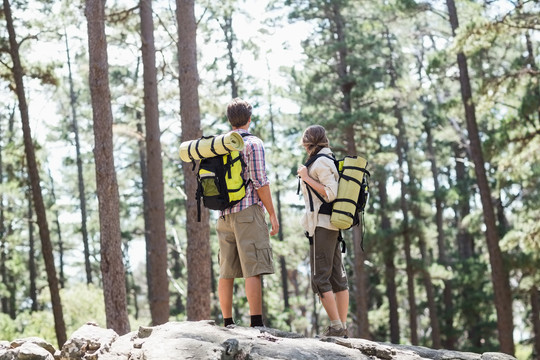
83 303
39 324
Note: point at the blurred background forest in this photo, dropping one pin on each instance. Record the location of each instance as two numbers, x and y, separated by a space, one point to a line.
441 97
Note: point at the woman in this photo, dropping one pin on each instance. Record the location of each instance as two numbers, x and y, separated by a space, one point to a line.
319 186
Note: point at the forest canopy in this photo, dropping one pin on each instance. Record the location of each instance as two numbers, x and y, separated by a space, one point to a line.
441 97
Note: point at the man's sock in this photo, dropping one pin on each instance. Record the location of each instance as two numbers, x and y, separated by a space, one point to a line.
228 321
336 324
256 320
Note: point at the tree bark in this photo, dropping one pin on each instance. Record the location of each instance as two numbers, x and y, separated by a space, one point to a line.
501 284
229 34
4 303
389 251
465 241
282 261
333 12
112 267
80 177
33 172
535 317
32 271
61 264
158 285
402 152
448 312
198 234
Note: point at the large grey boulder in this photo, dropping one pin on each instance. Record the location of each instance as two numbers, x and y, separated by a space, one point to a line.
202 340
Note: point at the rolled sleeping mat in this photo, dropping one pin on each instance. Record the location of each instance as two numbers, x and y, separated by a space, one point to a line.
210 146
350 183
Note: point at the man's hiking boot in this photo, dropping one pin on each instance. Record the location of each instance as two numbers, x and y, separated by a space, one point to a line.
331 331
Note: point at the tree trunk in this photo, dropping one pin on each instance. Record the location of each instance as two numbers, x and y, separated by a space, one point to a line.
32 271
415 209
61 276
33 172
158 285
361 284
228 32
535 319
402 151
4 303
430 292
448 312
7 300
466 251
333 12
82 192
501 285
389 251
409 269
465 241
198 234
282 261
144 182
112 267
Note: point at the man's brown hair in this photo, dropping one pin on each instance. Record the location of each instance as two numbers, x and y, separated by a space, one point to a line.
238 112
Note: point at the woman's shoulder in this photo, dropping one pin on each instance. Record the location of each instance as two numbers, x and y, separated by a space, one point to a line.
325 156
324 163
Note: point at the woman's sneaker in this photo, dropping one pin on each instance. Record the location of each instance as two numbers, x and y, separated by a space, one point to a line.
332 331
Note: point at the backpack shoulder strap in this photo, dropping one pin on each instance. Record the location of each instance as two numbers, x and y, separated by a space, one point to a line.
310 190
312 159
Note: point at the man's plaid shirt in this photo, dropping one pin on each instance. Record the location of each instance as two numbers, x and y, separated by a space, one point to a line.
256 171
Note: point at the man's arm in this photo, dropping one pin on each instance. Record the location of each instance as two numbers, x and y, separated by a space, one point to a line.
266 197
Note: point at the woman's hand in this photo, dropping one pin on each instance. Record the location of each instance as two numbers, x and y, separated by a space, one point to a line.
302 172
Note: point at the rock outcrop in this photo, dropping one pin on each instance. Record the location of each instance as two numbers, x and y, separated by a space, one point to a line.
205 340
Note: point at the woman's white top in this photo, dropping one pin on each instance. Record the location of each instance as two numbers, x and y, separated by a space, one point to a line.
322 170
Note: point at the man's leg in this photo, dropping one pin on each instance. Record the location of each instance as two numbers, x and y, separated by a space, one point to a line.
225 294
254 294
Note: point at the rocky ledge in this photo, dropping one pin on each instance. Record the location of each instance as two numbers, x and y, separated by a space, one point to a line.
205 340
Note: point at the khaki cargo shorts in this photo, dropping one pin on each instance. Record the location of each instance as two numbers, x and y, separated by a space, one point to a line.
327 271
244 244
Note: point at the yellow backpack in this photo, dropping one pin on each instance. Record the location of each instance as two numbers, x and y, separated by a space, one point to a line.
220 182
352 196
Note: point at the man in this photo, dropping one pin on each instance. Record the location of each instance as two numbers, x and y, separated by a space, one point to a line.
244 244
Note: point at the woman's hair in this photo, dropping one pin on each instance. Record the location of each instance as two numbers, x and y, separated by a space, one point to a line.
238 112
314 139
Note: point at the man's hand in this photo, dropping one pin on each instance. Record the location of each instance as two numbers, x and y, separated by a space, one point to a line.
275 225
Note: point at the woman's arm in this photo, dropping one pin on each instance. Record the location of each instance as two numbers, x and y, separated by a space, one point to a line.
304 175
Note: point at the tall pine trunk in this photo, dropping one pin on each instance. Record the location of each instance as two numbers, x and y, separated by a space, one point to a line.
402 151
388 252
198 233
80 177
360 293
448 309
112 267
32 270
282 261
61 264
535 318
501 284
37 197
4 304
158 284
